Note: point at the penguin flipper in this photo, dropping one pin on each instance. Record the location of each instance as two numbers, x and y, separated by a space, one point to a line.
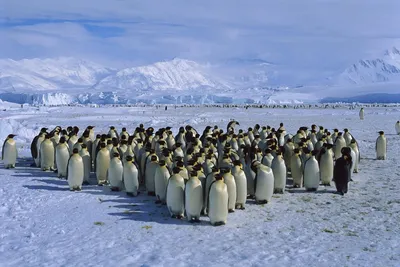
34 151
2 151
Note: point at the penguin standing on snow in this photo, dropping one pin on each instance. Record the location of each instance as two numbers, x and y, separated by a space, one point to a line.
9 152
342 171
381 146
397 127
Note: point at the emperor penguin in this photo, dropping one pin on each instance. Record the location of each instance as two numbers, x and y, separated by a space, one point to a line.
218 201
311 173
72 140
341 171
229 180
34 146
347 136
150 173
115 172
113 133
161 177
193 197
176 194
279 170
231 126
356 160
124 133
361 113
131 177
62 156
75 171
296 166
92 135
381 146
268 158
47 154
326 164
338 145
102 164
397 127
87 164
9 152
210 178
264 183
241 185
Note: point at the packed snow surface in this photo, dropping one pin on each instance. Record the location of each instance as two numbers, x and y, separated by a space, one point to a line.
42 223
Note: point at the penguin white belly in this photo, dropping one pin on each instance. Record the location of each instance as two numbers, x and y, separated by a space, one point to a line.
47 155
353 160
75 173
279 170
356 160
381 148
311 174
297 171
241 187
10 154
102 164
326 168
339 144
161 180
218 203
361 114
62 156
39 142
193 199
231 185
264 184
151 168
176 196
131 180
115 174
87 165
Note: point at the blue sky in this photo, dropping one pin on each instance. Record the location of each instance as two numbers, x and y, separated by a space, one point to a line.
325 34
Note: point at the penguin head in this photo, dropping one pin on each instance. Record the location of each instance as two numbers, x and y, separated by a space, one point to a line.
219 177
345 151
124 129
129 158
176 170
75 151
193 173
296 151
314 152
103 145
90 127
162 162
80 140
345 130
84 146
116 155
381 132
98 136
11 136
112 128
62 140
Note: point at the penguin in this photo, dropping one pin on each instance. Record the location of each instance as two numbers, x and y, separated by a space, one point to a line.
341 171
296 166
113 133
347 136
361 114
62 157
72 140
34 146
102 164
114 173
87 165
311 173
150 173
131 177
218 201
229 180
356 160
193 197
47 154
397 127
381 146
279 170
326 164
75 171
176 194
9 152
161 177
124 133
338 145
264 183
210 178
268 158
241 185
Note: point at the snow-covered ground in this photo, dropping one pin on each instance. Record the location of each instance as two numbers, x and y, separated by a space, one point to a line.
42 223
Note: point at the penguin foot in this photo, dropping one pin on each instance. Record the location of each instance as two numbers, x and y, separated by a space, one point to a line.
12 166
242 208
33 164
250 196
85 183
55 171
7 167
355 171
129 194
261 202
195 220
218 223
99 184
153 194
231 210
327 184
158 201
115 189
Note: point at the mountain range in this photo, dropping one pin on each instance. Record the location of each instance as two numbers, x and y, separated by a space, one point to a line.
68 80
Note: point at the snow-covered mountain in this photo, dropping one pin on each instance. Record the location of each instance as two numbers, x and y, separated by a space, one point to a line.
177 74
49 74
366 71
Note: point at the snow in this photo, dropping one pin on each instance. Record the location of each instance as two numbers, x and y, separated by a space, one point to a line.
44 224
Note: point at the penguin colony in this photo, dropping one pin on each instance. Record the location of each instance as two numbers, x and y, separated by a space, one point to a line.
211 173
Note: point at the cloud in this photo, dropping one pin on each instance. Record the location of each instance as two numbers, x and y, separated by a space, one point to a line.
304 34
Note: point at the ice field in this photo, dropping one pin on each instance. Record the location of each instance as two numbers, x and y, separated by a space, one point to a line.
42 223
